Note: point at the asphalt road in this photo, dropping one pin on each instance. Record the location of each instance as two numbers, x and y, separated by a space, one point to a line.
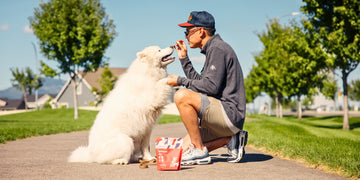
45 158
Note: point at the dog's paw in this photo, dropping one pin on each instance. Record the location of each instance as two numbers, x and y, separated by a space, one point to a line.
119 162
163 81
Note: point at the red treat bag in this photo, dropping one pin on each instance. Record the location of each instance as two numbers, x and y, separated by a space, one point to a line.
168 153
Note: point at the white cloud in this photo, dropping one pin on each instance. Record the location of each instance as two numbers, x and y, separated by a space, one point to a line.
28 30
4 27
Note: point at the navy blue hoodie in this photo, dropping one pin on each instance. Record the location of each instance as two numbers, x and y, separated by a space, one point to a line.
221 78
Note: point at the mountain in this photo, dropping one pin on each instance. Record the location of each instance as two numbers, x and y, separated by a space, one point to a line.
50 86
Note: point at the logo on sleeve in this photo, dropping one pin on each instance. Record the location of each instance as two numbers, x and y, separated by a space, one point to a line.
212 67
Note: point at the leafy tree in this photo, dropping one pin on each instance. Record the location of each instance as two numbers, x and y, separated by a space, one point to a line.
47 70
270 70
329 87
307 101
354 90
290 63
107 83
307 61
75 34
337 23
252 89
26 81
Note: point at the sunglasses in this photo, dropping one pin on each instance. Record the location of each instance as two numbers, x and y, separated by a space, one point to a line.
191 32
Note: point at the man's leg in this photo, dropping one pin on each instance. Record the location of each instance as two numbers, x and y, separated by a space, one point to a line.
211 145
188 103
217 143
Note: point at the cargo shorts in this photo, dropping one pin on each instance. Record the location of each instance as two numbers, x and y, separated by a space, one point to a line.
213 120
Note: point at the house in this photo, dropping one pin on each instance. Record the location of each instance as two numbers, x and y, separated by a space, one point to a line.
86 81
42 99
9 104
321 103
2 102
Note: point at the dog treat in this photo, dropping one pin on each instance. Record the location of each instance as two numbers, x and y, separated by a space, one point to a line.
143 166
145 163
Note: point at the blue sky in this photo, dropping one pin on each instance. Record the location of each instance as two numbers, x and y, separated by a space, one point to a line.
141 23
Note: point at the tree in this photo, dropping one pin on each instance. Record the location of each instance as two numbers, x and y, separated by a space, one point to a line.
75 34
25 81
307 61
270 71
252 89
47 70
337 23
330 87
107 83
354 90
290 63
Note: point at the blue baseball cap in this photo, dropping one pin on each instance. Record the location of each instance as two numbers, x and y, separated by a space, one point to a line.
199 18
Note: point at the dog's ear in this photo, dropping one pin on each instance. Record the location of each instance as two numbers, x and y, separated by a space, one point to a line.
141 56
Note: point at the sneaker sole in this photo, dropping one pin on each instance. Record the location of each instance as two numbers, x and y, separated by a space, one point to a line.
206 160
242 147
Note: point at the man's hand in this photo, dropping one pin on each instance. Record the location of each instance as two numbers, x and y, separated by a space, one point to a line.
181 49
172 80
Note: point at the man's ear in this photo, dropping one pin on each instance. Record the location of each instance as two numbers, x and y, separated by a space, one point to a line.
203 33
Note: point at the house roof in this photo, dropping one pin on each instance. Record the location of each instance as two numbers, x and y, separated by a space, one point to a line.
31 98
13 104
93 78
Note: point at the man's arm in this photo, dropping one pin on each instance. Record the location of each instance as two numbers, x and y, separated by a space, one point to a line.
211 81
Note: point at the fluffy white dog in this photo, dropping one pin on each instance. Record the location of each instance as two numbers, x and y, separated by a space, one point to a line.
121 131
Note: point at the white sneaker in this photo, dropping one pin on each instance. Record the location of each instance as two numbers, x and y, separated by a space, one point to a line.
195 156
236 146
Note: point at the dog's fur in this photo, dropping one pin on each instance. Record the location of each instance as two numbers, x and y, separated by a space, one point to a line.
121 131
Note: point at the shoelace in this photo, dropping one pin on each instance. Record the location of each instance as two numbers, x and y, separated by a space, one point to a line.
189 151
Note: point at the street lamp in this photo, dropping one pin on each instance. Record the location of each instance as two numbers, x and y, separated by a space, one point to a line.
36 70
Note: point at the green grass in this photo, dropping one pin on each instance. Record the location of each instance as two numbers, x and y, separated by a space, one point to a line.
44 122
165 119
52 121
319 141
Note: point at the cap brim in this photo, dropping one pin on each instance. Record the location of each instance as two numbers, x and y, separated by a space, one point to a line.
186 24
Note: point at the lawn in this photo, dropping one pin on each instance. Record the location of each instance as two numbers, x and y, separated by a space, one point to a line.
317 141
44 122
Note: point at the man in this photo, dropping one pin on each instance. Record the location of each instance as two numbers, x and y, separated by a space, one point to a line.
213 110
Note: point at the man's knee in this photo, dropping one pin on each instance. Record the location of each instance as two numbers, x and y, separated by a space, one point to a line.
182 96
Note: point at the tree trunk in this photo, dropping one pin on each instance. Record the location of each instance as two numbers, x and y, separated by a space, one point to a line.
280 109
299 109
254 112
76 113
346 126
25 100
277 105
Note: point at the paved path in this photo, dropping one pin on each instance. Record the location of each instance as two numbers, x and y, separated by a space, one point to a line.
45 158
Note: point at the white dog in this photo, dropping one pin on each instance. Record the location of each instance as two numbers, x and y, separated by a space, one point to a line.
121 130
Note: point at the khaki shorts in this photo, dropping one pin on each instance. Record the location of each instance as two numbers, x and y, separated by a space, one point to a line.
213 121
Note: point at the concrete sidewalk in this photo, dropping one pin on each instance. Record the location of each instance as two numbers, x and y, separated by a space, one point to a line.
45 158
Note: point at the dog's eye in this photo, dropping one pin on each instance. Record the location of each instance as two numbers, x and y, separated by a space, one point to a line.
159 50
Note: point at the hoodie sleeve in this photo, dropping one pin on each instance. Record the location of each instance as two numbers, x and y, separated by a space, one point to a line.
210 81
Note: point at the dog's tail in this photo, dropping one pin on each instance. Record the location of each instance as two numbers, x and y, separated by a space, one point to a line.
81 154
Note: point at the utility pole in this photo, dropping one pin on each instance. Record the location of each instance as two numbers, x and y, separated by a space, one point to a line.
36 73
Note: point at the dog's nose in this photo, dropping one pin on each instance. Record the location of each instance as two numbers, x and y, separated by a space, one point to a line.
171 47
